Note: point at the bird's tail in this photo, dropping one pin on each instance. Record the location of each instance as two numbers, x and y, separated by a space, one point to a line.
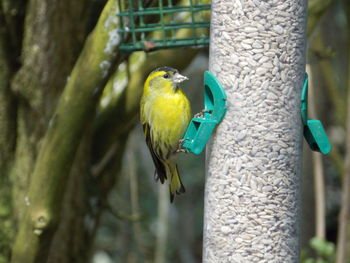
175 185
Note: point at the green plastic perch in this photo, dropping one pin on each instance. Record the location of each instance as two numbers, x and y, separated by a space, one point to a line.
200 128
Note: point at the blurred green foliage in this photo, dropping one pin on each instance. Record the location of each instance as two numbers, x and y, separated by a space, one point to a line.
324 252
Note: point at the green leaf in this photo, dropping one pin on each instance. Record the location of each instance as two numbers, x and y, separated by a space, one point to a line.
322 247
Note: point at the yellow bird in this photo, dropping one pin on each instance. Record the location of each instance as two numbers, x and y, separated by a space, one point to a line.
165 114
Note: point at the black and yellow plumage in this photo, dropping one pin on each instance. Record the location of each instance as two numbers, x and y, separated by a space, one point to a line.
165 114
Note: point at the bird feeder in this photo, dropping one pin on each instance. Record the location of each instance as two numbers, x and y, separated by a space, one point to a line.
153 25
253 175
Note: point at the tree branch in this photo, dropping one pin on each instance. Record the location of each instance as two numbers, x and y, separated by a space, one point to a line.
7 102
318 171
337 159
7 143
14 11
163 224
72 234
336 98
73 112
316 9
134 195
53 38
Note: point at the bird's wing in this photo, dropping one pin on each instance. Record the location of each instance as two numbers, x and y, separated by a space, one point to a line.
160 167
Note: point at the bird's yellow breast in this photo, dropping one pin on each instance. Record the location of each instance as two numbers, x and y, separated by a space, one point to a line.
168 115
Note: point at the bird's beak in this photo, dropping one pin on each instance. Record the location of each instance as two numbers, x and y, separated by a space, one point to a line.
178 78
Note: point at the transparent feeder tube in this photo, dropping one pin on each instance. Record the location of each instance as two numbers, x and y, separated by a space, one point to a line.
252 192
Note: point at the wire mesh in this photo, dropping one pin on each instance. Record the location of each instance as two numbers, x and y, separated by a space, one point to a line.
151 25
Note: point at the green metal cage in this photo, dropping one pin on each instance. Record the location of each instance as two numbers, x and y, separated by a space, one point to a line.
152 25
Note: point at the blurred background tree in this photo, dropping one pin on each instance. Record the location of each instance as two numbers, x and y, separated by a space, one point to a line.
76 178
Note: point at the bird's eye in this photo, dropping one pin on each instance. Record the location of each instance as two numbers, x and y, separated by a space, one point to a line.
166 75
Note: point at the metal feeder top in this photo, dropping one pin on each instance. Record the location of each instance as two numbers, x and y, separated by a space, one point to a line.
153 25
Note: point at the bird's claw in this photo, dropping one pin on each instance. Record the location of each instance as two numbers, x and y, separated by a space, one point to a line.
201 113
179 147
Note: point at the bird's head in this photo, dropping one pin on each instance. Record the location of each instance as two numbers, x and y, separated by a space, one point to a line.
164 78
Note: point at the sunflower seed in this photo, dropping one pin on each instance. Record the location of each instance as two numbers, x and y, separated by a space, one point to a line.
257 51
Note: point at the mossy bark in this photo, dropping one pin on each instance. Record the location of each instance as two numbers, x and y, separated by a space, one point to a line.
50 137
47 56
72 237
64 129
7 141
316 9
